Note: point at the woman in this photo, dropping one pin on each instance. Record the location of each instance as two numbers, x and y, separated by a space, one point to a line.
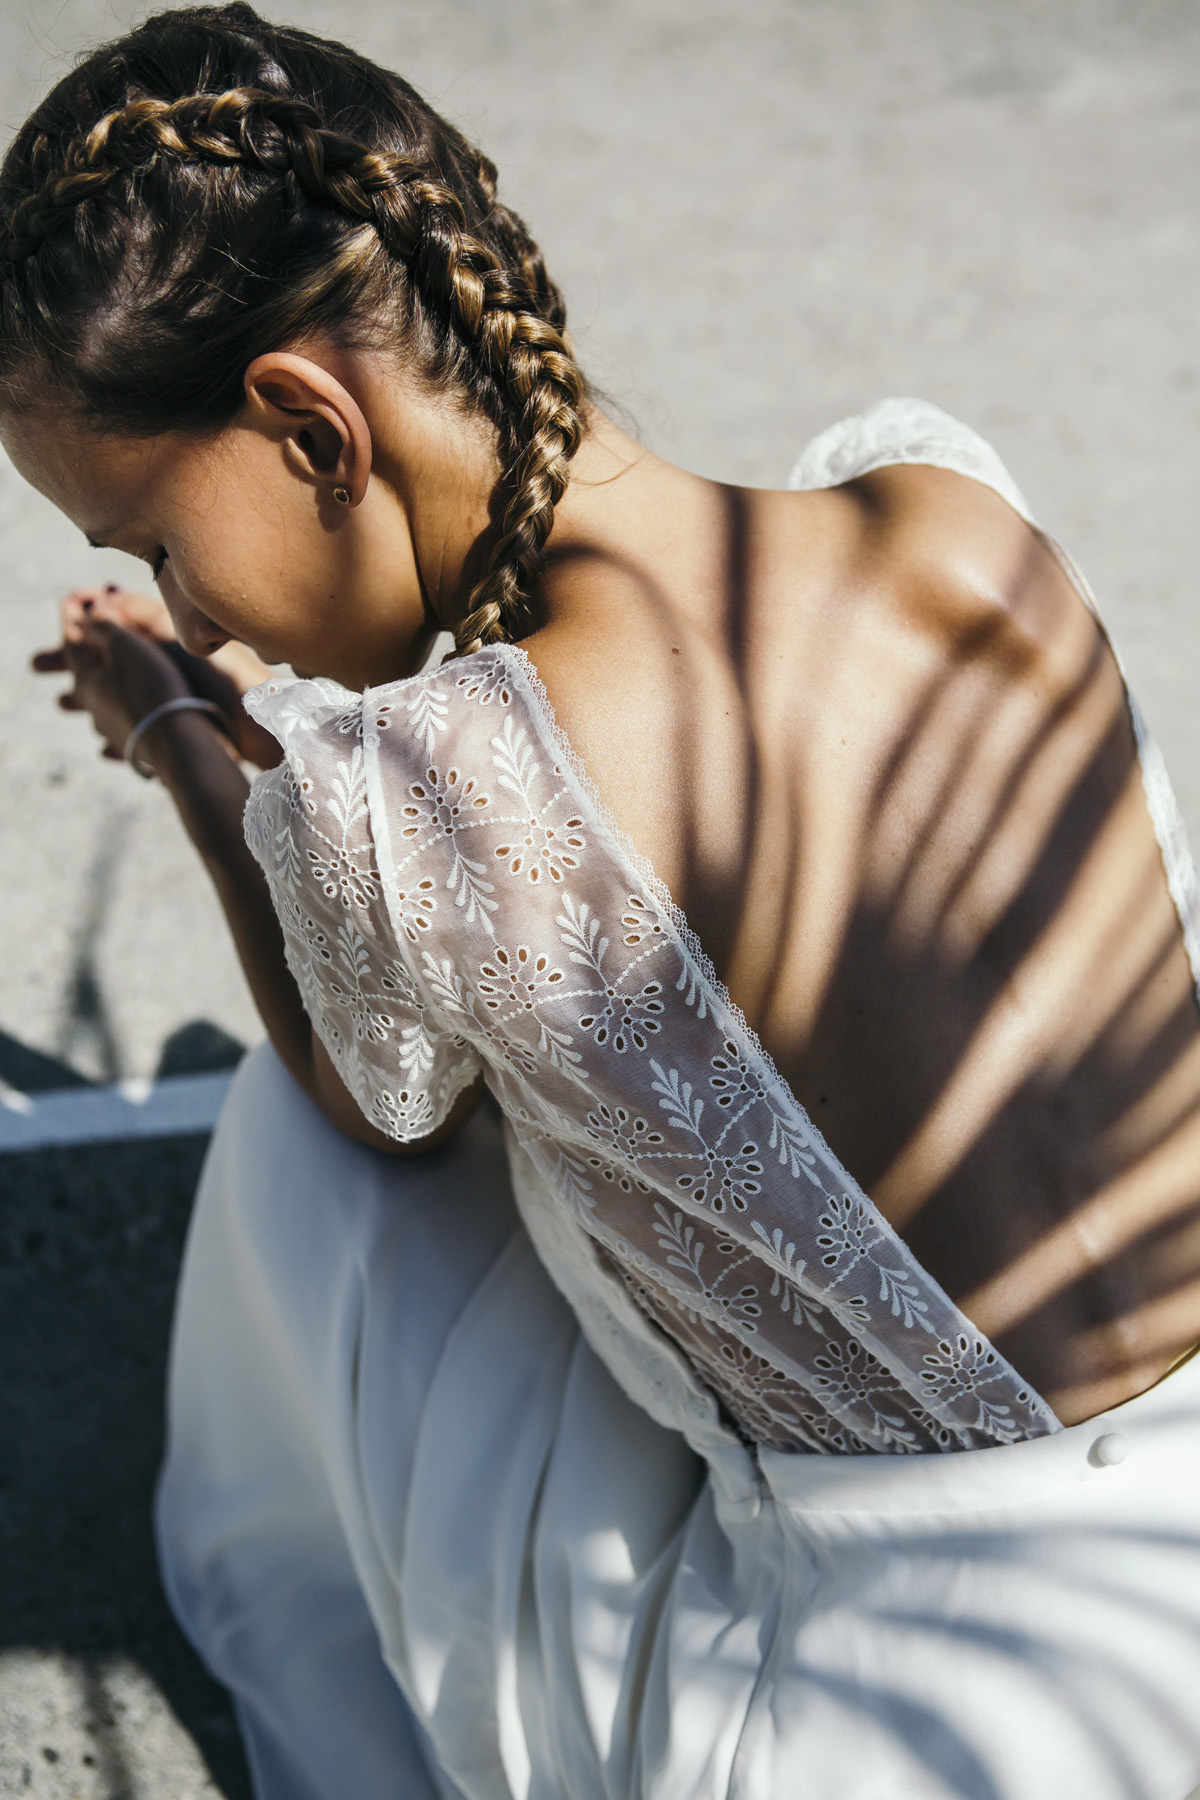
759 852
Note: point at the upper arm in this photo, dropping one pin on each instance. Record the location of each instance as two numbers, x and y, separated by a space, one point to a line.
344 1110
385 1068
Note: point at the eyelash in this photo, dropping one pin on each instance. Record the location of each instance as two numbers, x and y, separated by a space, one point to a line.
159 564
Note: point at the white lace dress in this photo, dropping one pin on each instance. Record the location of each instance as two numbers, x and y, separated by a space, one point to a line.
429 1511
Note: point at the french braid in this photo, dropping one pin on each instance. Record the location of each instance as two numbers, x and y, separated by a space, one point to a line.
412 223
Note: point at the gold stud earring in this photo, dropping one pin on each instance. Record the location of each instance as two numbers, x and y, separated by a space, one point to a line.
342 496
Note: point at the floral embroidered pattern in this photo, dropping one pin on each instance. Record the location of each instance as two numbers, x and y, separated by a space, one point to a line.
503 931
314 844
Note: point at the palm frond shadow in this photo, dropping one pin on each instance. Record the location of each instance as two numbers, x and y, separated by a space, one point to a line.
986 856
928 934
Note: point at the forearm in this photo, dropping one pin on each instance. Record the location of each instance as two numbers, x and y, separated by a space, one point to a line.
190 757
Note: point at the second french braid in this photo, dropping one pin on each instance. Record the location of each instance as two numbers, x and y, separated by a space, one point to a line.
457 269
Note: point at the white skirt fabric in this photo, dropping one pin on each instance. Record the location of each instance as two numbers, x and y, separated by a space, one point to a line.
434 1551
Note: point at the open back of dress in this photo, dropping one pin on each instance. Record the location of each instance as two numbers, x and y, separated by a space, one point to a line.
456 898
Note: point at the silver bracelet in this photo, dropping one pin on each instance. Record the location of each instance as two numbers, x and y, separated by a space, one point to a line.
183 703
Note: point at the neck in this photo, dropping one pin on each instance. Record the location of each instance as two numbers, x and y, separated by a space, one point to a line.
624 510
628 516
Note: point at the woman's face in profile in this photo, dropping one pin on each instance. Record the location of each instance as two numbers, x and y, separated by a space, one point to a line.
241 545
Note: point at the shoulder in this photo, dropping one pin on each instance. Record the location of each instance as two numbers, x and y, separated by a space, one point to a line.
939 529
295 710
321 725
909 432
966 571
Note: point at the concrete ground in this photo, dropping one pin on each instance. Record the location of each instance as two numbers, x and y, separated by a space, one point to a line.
766 214
99 1694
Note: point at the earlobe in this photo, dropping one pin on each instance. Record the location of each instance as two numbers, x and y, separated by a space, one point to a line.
317 423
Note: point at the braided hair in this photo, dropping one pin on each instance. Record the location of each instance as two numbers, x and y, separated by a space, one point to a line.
211 187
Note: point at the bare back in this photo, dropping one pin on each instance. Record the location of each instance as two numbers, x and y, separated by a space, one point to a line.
880 752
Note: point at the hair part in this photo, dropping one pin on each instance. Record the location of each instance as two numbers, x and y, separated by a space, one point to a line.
212 187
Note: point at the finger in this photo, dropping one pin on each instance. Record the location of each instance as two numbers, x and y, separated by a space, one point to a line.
73 613
81 602
112 754
98 618
69 703
109 603
49 662
140 613
145 613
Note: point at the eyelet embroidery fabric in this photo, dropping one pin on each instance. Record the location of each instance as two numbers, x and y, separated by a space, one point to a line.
454 897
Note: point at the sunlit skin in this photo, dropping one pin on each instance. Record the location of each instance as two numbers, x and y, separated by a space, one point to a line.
870 738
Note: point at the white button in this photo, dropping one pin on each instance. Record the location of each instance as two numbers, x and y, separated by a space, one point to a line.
1110 1450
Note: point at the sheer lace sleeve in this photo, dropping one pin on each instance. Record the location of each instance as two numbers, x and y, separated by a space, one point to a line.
308 823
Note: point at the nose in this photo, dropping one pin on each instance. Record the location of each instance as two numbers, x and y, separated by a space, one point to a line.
204 642
197 632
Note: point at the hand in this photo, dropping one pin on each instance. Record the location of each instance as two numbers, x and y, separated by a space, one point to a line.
120 675
223 678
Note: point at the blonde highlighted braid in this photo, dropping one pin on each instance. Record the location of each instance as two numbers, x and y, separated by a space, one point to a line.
207 226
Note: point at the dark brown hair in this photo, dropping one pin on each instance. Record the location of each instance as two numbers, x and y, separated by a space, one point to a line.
212 187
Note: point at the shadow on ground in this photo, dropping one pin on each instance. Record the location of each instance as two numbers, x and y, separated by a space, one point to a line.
197 1048
90 1244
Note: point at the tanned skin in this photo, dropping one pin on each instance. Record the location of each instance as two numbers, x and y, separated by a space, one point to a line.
870 738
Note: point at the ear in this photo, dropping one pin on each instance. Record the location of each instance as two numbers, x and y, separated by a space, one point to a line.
318 424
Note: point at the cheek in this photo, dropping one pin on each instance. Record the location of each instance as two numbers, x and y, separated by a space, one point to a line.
259 577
